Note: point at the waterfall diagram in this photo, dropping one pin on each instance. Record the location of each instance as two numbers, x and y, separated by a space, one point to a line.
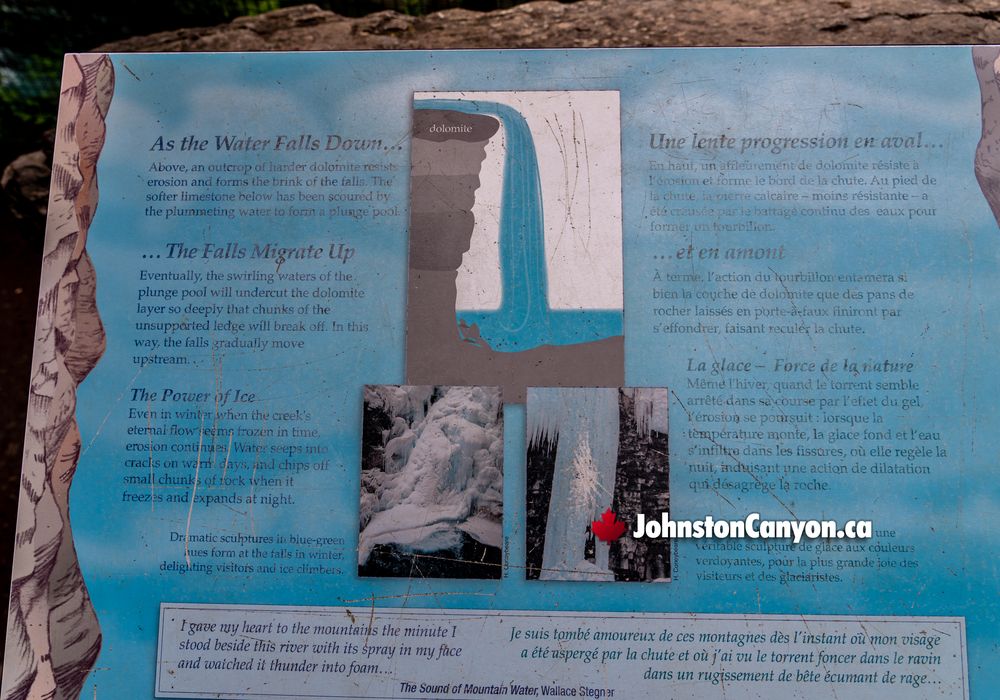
515 267
431 502
590 451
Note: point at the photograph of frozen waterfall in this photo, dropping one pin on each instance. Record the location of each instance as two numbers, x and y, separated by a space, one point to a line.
588 451
431 482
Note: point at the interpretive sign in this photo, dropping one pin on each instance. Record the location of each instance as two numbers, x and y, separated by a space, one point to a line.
590 374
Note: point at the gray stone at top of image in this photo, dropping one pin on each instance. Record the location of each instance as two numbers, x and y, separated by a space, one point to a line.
600 23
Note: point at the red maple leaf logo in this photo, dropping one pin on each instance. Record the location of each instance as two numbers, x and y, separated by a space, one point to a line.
608 527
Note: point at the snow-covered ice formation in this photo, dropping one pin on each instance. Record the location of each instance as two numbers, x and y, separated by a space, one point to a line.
442 475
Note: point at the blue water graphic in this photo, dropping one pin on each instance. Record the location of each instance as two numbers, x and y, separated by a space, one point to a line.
524 319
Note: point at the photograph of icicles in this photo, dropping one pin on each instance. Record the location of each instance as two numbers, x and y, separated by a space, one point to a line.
590 450
431 482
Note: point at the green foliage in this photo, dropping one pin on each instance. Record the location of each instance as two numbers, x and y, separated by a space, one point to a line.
34 35
27 96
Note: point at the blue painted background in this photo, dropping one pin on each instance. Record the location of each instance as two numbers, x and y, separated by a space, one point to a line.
950 333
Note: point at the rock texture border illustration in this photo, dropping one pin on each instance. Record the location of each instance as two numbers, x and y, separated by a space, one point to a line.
53 636
987 62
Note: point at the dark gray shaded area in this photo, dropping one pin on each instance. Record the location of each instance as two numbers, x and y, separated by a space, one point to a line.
640 487
437 125
441 221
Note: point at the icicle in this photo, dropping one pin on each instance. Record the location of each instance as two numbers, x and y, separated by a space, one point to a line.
583 489
586 421
651 407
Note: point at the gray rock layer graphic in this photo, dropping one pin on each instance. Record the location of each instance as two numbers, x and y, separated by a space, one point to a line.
447 153
53 637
